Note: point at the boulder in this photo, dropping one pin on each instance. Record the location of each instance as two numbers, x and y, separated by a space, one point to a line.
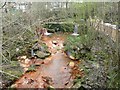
42 55
71 64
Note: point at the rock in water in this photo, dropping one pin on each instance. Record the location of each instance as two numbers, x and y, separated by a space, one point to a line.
27 61
42 54
71 57
55 42
71 64
23 57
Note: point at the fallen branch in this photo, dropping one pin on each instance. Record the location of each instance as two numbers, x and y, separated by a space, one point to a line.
9 74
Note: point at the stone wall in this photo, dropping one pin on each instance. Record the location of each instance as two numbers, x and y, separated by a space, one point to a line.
108 29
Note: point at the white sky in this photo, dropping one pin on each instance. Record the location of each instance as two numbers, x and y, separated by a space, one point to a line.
60 0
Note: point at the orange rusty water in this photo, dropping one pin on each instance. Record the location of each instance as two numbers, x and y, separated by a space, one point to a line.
58 70
54 67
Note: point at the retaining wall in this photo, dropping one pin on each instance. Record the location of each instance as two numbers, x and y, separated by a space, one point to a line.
108 29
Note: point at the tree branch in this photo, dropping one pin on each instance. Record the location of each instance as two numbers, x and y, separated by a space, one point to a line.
3 5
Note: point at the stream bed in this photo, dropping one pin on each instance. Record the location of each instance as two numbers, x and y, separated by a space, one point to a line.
54 71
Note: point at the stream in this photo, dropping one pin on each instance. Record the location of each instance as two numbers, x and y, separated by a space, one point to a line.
54 70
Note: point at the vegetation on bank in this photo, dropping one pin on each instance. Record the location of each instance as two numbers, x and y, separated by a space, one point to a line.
98 54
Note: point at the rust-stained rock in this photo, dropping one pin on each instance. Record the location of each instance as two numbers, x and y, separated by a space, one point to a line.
24 65
71 64
71 57
55 42
23 57
27 61
42 54
25 69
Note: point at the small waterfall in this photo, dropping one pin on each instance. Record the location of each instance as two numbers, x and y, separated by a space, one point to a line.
32 53
46 32
76 29
75 32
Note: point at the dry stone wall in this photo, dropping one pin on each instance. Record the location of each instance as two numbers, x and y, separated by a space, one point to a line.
108 29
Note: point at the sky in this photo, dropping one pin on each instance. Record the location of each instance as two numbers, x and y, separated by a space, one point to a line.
60 0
